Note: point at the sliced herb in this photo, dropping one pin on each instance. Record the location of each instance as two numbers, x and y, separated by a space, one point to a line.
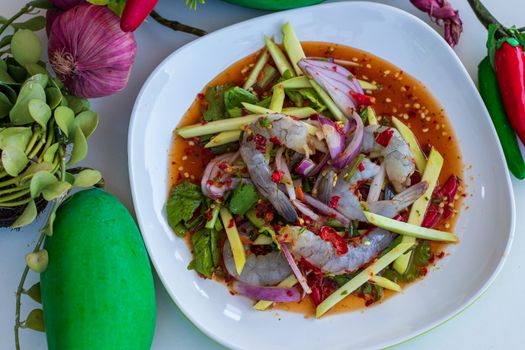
233 99
214 103
185 198
243 199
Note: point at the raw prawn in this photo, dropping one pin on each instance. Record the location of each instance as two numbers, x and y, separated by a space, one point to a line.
320 253
280 130
259 270
387 143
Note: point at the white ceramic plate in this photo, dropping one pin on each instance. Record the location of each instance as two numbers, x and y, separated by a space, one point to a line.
485 228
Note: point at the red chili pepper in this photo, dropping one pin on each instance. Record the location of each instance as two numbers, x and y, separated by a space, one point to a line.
432 216
362 99
275 140
334 202
328 234
277 176
509 63
135 12
384 137
260 142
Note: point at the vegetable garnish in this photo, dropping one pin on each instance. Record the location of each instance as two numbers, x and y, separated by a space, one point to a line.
361 278
233 237
289 282
419 208
311 187
410 230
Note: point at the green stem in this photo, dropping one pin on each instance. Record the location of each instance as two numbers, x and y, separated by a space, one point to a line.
22 192
38 245
13 189
22 11
485 17
15 204
38 147
32 142
177 26
49 140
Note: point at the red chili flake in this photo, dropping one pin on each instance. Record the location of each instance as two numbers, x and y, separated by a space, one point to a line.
384 137
415 178
208 215
449 188
362 99
209 182
441 255
275 140
432 216
223 165
334 68
277 176
268 216
361 167
432 259
403 216
424 271
334 202
369 302
305 266
260 249
231 223
328 234
228 182
260 143
200 96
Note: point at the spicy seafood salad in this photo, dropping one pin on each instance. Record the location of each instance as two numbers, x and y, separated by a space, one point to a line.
314 174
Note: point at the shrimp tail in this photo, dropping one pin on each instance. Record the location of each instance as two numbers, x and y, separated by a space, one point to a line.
399 202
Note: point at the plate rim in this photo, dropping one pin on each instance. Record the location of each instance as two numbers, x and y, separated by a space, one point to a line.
384 7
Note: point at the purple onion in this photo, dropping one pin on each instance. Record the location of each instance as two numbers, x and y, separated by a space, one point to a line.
334 139
320 166
306 211
442 12
66 4
295 269
89 52
354 147
275 294
326 210
304 167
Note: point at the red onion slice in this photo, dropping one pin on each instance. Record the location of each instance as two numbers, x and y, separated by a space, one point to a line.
275 294
354 147
305 166
326 210
320 166
334 139
306 211
295 269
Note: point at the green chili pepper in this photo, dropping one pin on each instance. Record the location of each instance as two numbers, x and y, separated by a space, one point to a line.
488 87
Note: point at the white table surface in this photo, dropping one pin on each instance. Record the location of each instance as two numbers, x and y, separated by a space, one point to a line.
495 321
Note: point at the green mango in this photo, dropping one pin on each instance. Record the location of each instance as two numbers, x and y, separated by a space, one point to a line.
274 4
97 291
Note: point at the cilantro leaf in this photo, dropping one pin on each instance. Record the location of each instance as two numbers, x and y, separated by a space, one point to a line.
214 101
233 99
313 97
244 198
203 261
185 198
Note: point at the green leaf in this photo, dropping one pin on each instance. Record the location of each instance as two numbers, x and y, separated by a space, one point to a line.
35 293
34 168
37 261
39 111
5 78
6 40
87 178
87 121
313 97
34 24
31 90
49 155
41 79
65 119
9 92
55 190
214 98
18 73
41 4
185 198
28 216
77 104
15 137
26 47
40 181
234 97
35 320
243 199
203 261
80 147
14 160
35 68
5 105
53 97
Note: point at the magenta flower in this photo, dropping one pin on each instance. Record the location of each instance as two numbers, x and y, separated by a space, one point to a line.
443 14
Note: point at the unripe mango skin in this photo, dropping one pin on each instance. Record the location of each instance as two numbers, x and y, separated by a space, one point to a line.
97 291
